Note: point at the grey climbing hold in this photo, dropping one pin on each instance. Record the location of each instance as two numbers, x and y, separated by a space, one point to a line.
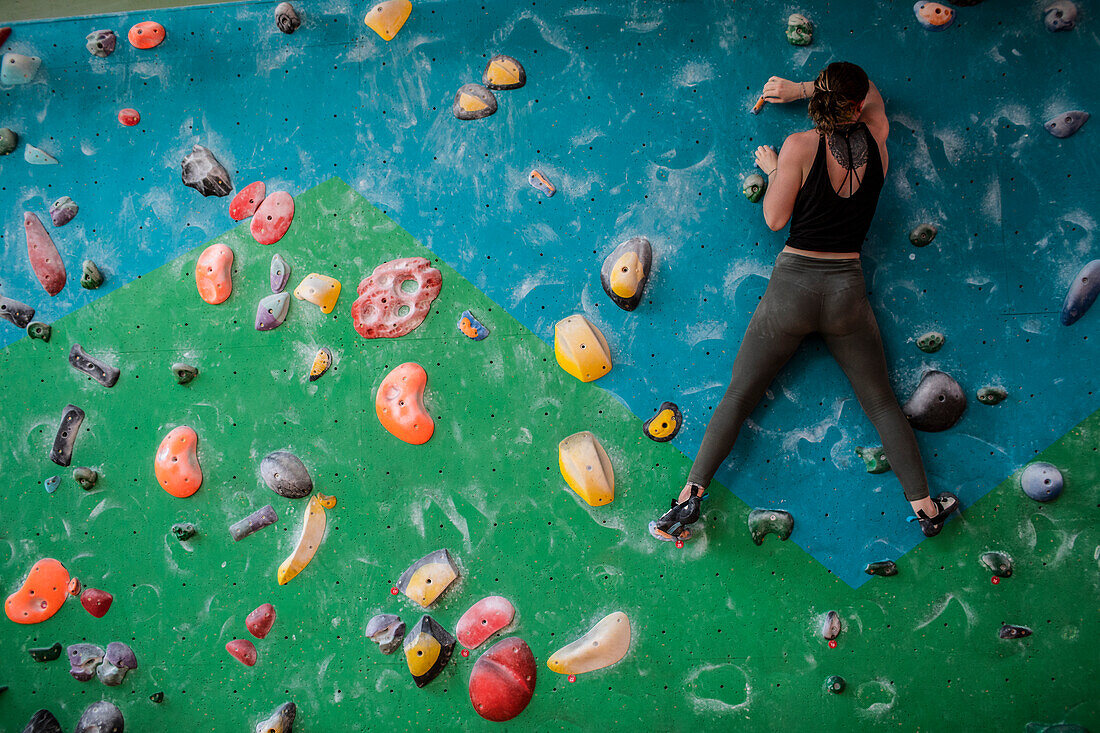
625 272
874 459
281 721
286 475
42 721
83 660
117 661
184 373
830 627
271 311
90 276
101 717
184 531
101 43
18 69
86 477
39 330
1065 124
45 653
286 18
62 451
473 102
16 313
387 631
98 370
800 31
922 235
8 141
999 562
885 568
770 521
279 273
992 395
936 404
835 684
1042 481
203 172
254 522
38 156
51 484
1082 293
930 342
1008 631
754 186
1060 15
63 211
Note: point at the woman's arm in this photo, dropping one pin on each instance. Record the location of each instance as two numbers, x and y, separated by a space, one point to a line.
779 90
874 114
785 176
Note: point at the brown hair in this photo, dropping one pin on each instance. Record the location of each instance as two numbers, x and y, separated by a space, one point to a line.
838 90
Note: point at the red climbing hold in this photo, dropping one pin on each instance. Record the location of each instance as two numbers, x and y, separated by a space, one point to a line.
243 650
129 116
4 33
272 218
96 602
395 298
259 622
503 680
483 619
245 203
145 35
45 259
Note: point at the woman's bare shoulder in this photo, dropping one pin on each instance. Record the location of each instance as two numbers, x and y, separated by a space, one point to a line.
801 144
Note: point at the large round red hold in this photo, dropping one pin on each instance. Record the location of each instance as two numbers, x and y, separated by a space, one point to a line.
145 35
129 117
243 650
96 602
259 622
503 680
272 218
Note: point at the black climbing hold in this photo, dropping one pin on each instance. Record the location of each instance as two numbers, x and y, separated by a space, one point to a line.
922 235
101 717
86 477
184 531
991 395
286 18
1000 563
42 721
203 172
157 697
281 721
936 404
835 684
45 653
830 627
18 314
874 459
62 451
1082 293
625 272
503 72
90 276
254 522
1008 631
184 372
473 102
885 568
770 521
39 330
100 371
664 426
286 475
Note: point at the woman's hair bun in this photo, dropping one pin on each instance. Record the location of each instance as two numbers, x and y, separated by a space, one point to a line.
838 90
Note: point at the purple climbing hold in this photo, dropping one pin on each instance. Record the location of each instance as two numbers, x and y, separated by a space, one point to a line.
1082 293
830 627
1008 631
203 172
936 404
1067 123
84 362
387 631
1042 481
18 314
101 717
280 274
254 522
271 311
62 451
83 660
101 43
63 211
117 661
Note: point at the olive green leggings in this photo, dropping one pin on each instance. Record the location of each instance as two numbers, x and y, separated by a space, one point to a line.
808 295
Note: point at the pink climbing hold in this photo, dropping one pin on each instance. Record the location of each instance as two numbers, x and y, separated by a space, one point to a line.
245 203
503 680
96 602
45 259
214 273
129 116
395 298
260 621
243 650
483 619
272 218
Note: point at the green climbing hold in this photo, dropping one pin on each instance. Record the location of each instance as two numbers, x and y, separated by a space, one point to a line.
184 372
999 562
91 278
184 531
992 395
39 330
874 458
770 521
800 31
922 235
754 186
8 141
885 568
86 477
45 653
930 342
835 684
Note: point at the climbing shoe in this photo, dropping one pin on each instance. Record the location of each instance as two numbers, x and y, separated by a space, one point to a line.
947 503
673 524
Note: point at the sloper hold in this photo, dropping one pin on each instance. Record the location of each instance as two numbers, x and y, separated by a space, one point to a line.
101 43
625 272
243 650
247 200
16 313
1065 124
321 290
1008 631
922 235
605 644
800 31
885 568
129 117
483 619
214 273
38 156
770 521
203 172
321 364
8 140
83 660
992 395
473 102
45 653
271 311
286 475
1042 481
273 218
42 594
286 18
387 17
754 186
586 468
874 459
184 373
1060 15
471 327
386 630
177 462
279 273
18 69
1082 293
399 404
930 342
62 211
427 578
395 298
117 661
998 562
503 680
428 648
581 349
830 627
45 259
936 404
260 620
145 35
96 602
503 72
95 368
43 721
253 523
282 720
313 531
90 276
933 16
62 451
664 426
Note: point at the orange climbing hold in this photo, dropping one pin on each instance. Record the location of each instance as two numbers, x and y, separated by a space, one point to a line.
387 17
177 463
214 273
146 35
41 595
400 404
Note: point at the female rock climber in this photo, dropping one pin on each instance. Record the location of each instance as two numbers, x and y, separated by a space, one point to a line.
826 182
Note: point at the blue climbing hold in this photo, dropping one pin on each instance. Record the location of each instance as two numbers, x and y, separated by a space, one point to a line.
1042 481
52 483
472 327
1082 293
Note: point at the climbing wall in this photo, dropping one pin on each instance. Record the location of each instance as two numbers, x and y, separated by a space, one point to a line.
723 631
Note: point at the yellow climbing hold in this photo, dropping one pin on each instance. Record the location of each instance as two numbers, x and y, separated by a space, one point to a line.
581 349
606 643
421 653
321 290
386 18
428 577
627 275
503 72
586 468
313 531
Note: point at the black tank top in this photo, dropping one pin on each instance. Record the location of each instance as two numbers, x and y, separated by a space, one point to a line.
825 221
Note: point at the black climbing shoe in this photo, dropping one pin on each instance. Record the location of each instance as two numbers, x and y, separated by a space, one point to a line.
673 524
947 504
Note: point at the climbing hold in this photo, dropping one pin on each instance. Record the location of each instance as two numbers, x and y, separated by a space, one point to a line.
117 661
96 602
18 69
243 650
427 649
43 721
586 468
399 404
37 156
272 218
39 330
664 426
473 102
321 290
387 631
8 140
177 463
427 578
286 475
45 260
605 644
992 395
260 621
922 235
321 363
933 16
254 522
16 313
1082 293
874 458
91 278
83 660
184 373
472 327
502 73
835 684
1008 631
387 17
625 272
539 181
147 34
483 619
245 203
936 404
580 348
930 342
1042 481
5 32
86 477
1060 15
395 298
45 653
754 186
62 211
800 31
203 172
184 531
101 717
884 568
999 562
101 43
214 273
1067 123
503 680
43 592
271 311
282 720
278 273
51 484
62 451
75 587
313 531
97 369
830 627
770 521
129 116
157 697
286 18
